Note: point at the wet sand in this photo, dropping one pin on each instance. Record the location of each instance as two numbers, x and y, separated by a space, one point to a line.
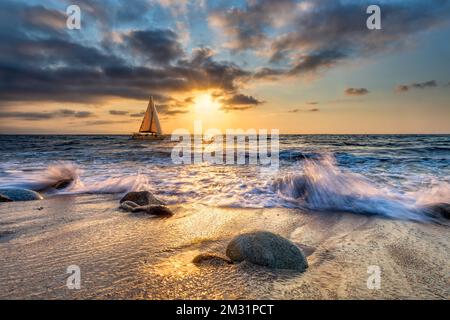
133 256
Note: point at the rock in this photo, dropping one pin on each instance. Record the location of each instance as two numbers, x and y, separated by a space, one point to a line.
267 249
155 209
141 198
211 258
4 199
128 205
62 184
17 194
440 210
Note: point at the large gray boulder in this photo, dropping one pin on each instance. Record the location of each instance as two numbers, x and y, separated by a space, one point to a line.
267 249
141 198
18 194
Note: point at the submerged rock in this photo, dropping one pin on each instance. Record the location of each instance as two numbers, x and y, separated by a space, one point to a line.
4 199
211 258
155 209
142 198
128 205
62 184
439 210
17 194
267 249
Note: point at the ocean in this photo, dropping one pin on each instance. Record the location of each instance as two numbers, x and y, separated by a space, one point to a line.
388 175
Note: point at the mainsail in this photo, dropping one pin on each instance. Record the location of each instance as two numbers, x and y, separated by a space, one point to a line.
150 123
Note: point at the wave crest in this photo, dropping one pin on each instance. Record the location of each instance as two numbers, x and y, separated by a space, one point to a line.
324 186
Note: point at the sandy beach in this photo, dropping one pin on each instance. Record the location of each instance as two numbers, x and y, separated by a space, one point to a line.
136 256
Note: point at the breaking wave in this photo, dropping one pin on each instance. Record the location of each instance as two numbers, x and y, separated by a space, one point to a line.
313 184
65 178
324 186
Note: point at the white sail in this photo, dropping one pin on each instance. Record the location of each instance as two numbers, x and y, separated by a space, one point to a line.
150 123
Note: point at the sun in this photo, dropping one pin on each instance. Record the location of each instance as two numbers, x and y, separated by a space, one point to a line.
205 104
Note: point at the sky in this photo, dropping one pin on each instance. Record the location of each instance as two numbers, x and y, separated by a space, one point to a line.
306 67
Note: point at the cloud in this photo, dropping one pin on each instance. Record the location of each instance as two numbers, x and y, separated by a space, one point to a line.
106 122
356 91
172 109
268 73
310 36
33 116
39 65
303 110
124 51
159 45
416 85
118 112
246 27
314 62
239 101
137 115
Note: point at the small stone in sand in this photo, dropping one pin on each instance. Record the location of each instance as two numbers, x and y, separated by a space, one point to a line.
141 198
440 210
211 258
154 209
4 199
18 194
128 205
267 249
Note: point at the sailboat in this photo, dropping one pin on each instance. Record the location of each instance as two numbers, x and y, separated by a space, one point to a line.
150 127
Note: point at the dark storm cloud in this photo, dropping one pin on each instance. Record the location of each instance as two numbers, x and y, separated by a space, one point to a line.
356 91
39 65
160 46
32 116
416 85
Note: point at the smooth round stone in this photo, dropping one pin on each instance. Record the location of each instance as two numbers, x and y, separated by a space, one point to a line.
17 194
267 249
